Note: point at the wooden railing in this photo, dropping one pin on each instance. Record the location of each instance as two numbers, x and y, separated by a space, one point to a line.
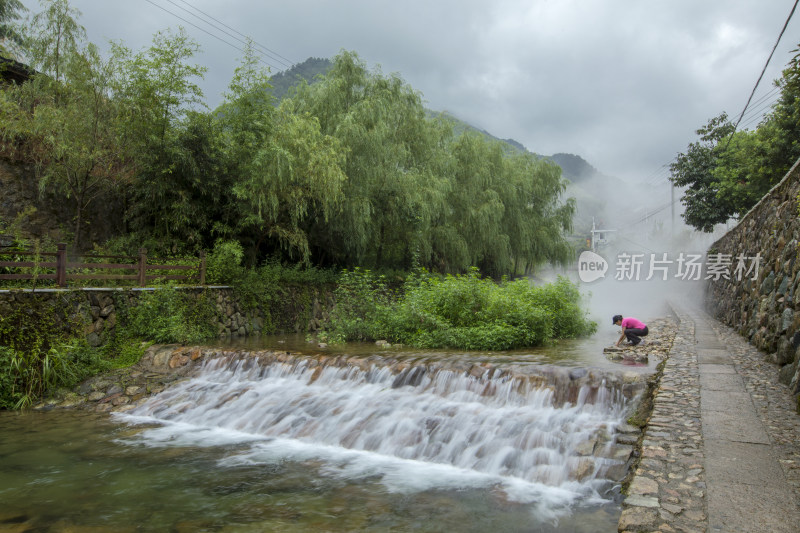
61 269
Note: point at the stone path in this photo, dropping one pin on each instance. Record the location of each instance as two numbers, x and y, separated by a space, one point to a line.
721 451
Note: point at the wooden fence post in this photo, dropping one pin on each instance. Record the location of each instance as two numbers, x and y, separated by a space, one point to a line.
61 265
203 267
142 269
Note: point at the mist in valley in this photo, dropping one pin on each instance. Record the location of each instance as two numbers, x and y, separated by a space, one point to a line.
652 256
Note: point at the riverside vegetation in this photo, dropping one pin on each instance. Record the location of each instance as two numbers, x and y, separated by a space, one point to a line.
347 174
42 348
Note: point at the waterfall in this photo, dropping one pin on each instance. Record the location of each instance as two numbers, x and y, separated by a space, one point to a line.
415 426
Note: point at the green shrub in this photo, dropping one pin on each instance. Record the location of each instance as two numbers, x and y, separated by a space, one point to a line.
463 311
223 265
27 375
361 299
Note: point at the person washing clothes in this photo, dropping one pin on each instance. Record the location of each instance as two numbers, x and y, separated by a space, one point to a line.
632 328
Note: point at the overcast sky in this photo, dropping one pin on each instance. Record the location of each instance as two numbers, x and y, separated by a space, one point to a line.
622 83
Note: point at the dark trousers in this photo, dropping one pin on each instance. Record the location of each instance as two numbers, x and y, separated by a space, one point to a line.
633 334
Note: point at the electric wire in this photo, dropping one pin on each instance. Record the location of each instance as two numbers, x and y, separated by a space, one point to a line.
288 63
775 89
640 245
758 117
785 24
207 32
757 108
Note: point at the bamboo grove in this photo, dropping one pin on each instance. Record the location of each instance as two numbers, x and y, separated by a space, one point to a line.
346 171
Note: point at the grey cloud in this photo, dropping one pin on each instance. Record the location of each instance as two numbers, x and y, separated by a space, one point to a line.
622 83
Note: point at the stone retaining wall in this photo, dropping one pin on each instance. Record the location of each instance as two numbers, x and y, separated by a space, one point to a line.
95 310
764 307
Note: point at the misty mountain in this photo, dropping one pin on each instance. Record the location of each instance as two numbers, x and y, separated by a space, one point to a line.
308 70
460 126
575 168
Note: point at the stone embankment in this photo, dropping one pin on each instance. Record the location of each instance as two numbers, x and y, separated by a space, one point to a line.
757 288
96 312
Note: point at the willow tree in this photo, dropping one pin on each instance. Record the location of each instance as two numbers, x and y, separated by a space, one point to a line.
476 204
288 173
390 153
505 211
537 217
293 179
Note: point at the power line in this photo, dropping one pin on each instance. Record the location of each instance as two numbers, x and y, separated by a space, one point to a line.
657 175
206 31
785 24
757 111
762 103
269 53
775 89
636 243
661 176
759 114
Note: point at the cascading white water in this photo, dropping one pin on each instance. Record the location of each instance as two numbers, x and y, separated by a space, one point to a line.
416 429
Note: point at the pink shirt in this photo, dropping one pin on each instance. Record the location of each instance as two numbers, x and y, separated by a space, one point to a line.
632 323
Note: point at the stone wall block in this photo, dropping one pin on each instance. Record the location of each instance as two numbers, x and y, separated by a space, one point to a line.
94 339
787 318
768 284
790 375
784 353
783 284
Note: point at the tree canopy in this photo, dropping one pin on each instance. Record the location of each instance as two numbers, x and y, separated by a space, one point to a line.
347 171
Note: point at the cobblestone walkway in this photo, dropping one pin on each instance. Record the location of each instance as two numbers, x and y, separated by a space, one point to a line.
721 452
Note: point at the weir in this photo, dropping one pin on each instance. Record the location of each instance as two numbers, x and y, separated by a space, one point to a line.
412 425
